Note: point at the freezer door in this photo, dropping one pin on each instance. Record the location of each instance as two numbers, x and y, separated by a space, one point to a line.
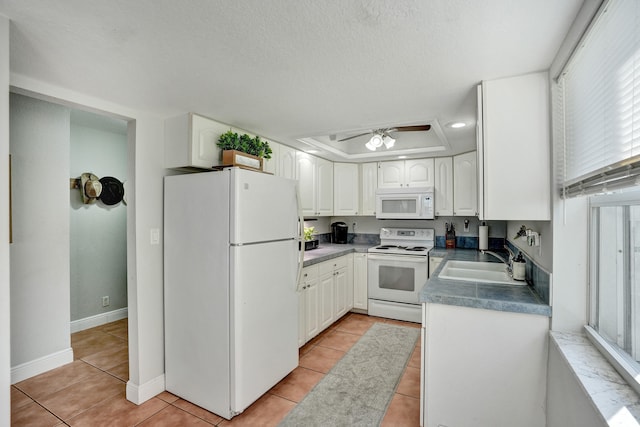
263 207
264 318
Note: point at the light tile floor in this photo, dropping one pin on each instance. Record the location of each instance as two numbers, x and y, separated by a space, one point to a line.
91 390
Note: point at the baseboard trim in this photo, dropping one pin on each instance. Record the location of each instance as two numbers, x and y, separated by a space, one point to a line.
98 319
40 365
139 394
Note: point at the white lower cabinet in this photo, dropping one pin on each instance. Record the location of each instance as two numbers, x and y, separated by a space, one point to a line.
483 367
434 262
360 281
325 294
308 305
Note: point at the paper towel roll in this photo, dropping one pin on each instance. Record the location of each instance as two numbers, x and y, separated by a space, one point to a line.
483 240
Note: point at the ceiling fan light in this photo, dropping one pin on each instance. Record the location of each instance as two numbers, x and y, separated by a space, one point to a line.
370 146
388 141
376 140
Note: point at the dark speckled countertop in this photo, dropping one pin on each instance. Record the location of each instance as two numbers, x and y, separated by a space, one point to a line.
516 299
327 251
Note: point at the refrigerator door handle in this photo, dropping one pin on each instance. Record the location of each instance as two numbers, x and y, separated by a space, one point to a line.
300 236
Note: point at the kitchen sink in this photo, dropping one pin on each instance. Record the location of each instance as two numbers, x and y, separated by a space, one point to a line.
471 271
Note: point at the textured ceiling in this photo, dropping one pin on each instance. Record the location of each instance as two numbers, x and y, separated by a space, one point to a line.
289 69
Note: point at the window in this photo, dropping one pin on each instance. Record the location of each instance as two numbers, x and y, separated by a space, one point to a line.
597 141
599 97
615 280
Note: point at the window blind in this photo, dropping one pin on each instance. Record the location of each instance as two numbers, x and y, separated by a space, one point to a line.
600 95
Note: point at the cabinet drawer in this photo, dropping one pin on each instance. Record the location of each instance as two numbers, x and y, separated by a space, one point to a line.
309 273
332 265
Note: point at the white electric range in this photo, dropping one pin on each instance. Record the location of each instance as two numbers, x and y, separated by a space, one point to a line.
397 270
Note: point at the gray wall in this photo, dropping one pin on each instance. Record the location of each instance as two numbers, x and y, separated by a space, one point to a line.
39 133
98 232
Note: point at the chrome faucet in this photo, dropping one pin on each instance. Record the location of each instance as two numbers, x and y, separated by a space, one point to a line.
506 261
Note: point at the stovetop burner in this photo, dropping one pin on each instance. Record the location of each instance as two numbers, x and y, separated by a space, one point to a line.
404 241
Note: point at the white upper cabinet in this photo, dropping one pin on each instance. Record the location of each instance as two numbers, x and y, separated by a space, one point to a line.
419 173
325 187
315 177
443 186
391 174
190 141
345 189
406 173
465 185
287 162
368 187
306 173
514 148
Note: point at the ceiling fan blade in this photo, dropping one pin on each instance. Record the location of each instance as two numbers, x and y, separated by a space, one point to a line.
354 136
416 128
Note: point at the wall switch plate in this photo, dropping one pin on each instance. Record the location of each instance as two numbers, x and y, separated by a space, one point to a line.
105 301
155 236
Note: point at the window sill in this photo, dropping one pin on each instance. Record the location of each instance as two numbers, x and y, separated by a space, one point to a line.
610 394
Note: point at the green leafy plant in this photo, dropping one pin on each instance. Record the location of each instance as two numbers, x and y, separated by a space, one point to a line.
308 233
255 146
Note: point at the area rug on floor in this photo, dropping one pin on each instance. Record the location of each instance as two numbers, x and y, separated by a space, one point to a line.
357 391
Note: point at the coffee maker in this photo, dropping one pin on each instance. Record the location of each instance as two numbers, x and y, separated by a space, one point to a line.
339 231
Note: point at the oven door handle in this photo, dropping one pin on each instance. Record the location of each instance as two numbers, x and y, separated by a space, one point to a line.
401 258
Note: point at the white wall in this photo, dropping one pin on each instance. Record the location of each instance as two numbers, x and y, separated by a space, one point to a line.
567 403
39 133
98 232
5 330
144 212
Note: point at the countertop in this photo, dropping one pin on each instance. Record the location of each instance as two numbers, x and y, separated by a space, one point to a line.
515 299
327 251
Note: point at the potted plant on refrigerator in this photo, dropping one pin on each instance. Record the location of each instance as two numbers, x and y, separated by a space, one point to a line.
243 150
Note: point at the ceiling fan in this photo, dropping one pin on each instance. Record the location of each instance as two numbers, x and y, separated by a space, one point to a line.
383 136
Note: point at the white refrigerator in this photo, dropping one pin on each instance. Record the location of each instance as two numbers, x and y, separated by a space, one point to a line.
232 257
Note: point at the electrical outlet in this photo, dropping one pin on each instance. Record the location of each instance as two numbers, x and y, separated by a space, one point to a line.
105 301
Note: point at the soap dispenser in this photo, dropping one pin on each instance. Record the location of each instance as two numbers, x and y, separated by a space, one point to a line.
519 267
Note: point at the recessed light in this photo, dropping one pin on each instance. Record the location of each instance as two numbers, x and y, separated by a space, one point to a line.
457 125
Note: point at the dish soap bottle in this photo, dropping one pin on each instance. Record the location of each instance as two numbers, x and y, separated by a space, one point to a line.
519 267
450 236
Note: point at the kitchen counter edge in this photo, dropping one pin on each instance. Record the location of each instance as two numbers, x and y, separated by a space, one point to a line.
328 251
497 297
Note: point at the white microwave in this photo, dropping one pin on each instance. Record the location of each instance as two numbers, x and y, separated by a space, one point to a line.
405 203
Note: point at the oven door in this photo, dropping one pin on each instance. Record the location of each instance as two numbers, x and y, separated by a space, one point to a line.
397 278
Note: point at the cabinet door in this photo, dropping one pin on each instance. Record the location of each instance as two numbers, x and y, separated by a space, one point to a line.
391 174
419 173
465 202
360 281
349 281
302 317
324 187
271 165
287 162
326 299
345 189
306 172
444 186
312 306
368 187
509 106
434 262
340 287
204 137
